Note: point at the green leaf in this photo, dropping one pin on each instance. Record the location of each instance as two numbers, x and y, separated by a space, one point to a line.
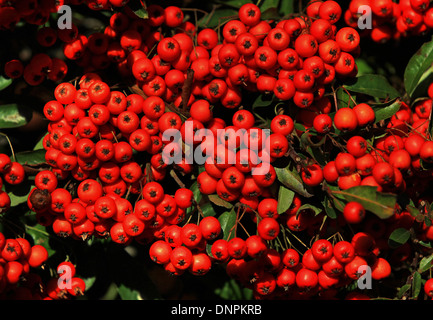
417 66
287 7
268 4
403 290
19 193
290 178
398 237
36 157
217 17
207 209
308 206
142 13
416 284
214 198
285 199
233 3
373 85
343 99
126 293
228 220
263 100
40 236
386 110
231 290
379 203
14 116
5 82
329 207
425 263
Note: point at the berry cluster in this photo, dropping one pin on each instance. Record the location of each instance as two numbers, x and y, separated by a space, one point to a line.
392 19
20 279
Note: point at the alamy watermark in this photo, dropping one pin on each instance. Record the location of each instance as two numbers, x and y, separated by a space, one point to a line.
365 280
65 18
365 18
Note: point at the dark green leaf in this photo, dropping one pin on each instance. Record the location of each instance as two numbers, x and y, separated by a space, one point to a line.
36 157
14 116
416 285
425 263
233 3
228 220
418 65
343 99
263 100
403 290
126 293
290 178
287 7
373 85
308 206
329 208
217 18
208 209
386 110
398 237
379 203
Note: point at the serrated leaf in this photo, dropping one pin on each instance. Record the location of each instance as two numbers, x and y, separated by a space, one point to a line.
373 85
379 203
419 63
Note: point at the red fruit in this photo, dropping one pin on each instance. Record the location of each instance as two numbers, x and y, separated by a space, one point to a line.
380 269
78 286
306 279
268 228
322 250
345 119
353 212
38 255
200 264
181 257
12 250
210 228
355 268
160 252
344 252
